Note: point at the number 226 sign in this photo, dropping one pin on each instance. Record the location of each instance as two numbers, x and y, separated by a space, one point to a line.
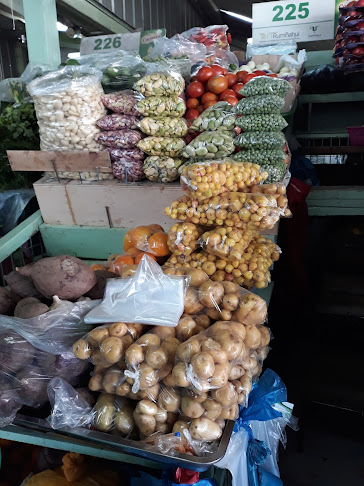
299 21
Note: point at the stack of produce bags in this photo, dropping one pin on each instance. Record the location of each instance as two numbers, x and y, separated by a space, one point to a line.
225 209
163 123
121 136
262 141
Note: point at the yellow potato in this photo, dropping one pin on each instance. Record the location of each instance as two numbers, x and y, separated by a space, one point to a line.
203 365
156 357
198 277
191 408
192 302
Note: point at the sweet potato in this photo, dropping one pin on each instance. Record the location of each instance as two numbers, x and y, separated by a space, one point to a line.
65 276
30 307
97 291
7 302
21 285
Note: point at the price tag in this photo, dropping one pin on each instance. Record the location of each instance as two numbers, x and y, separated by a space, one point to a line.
298 21
107 43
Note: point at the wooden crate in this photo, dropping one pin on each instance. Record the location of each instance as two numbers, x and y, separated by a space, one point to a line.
105 204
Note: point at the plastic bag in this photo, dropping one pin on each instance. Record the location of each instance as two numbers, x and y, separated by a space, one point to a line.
213 37
160 84
182 238
12 205
260 157
114 413
281 49
178 47
261 123
117 121
163 127
261 140
262 105
278 191
264 85
210 145
122 102
11 88
132 153
119 138
161 169
150 297
161 106
254 211
228 242
162 146
276 171
210 178
216 117
128 170
67 104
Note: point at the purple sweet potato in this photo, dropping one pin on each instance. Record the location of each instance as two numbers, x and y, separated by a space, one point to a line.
21 285
30 307
65 276
97 291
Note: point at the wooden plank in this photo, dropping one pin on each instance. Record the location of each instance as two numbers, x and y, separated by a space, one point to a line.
19 235
33 160
331 150
82 241
332 97
336 192
334 211
53 201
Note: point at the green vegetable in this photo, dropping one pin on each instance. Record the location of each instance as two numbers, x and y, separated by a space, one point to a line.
276 172
217 117
264 85
261 123
259 156
261 140
210 145
259 105
161 169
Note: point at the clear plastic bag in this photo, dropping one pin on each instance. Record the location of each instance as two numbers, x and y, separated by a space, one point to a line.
213 37
112 413
260 157
210 145
89 176
261 140
205 179
163 127
254 211
162 146
122 102
265 85
67 104
130 154
226 242
119 138
149 297
128 170
161 169
160 106
261 123
178 47
182 238
276 171
216 117
259 105
118 121
12 204
278 191
161 84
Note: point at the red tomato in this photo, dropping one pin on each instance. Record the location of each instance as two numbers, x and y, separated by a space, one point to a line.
204 74
192 114
225 71
194 78
209 103
273 75
242 76
208 97
195 89
192 103
236 88
200 109
250 77
358 51
359 3
217 84
232 79
226 93
259 73
232 100
216 69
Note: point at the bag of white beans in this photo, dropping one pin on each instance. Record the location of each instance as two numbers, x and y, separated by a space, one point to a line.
68 104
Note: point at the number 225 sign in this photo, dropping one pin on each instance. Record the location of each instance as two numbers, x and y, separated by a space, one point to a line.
300 21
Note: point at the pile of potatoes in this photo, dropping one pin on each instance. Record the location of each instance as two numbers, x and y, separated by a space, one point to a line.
111 412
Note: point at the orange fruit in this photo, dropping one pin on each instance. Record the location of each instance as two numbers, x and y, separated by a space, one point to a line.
139 236
127 241
133 252
141 254
113 257
156 227
157 244
97 266
121 261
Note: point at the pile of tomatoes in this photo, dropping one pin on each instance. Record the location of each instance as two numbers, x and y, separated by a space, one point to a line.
213 84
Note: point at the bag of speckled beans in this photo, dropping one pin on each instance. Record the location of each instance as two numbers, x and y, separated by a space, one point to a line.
68 104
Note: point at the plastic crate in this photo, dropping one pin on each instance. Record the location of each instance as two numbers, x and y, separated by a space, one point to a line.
356 135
